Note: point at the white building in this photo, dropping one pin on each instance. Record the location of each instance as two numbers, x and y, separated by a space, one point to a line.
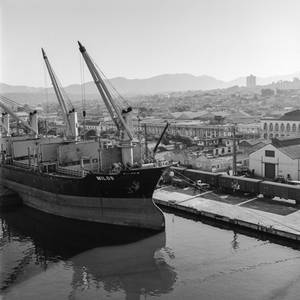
252 129
192 128
287 125
279 158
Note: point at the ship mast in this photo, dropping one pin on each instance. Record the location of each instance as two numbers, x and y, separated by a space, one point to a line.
69 115
119 117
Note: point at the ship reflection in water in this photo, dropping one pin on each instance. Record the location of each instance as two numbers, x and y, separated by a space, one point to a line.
95 261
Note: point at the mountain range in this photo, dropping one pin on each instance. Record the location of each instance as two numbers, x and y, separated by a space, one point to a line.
157 84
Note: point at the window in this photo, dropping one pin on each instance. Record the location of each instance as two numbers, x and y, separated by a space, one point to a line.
271 127
276 127
265 126
270 153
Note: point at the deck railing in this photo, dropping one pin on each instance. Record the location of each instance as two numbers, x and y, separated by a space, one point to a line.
71 172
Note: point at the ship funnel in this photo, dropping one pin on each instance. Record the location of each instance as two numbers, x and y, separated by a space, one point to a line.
5 123
33 121
74 124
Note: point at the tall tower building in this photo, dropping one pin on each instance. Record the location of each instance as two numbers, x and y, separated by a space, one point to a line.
251 81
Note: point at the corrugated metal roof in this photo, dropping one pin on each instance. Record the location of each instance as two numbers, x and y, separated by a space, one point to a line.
292 151
286 141
288 145
258 146
291 116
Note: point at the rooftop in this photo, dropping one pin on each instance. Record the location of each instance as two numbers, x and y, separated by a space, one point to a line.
289 146
291 116
286 141
291 151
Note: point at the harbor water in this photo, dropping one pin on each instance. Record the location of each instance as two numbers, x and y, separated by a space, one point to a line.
44 257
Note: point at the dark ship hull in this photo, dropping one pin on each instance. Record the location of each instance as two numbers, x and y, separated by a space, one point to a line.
121 199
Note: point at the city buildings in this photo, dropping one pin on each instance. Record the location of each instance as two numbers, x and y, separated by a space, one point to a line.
193 128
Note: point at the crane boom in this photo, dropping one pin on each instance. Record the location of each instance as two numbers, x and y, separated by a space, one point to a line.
9 101
105 94
10 111
160 138
66 113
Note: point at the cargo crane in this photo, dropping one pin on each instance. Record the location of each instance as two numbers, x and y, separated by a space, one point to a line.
32 127
13 103
69 113
120 116
33 121
160 138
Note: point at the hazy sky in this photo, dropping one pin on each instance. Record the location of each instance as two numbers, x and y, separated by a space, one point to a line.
144 38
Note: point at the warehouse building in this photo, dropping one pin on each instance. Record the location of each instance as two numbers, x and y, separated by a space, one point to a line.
279 158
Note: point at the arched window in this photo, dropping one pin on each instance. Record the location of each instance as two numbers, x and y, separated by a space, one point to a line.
271 135
276 127
265 136
271 127
276 135
294 127
282 127
288 127
265 126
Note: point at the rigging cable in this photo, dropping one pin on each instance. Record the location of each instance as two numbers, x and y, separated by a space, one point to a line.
113 89
70 106
83 94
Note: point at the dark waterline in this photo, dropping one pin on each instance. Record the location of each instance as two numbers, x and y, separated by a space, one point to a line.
42 257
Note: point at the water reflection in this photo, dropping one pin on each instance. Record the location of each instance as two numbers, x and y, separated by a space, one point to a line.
235 243
106 257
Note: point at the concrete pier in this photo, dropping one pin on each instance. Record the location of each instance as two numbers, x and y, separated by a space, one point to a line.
8 197
281 219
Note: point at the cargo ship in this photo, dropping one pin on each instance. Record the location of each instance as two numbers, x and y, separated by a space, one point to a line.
83 180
